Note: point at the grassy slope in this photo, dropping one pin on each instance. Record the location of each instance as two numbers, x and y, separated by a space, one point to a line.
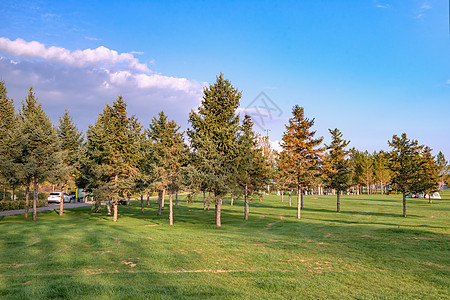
358 253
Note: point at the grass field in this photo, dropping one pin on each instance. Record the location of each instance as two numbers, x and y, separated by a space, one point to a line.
359 253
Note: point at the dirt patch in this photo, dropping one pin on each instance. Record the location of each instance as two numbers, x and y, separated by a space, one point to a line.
262 217
328 235
35 241
151 225
271 224
366 235
205 271
116 240
130 263
22 265
102 252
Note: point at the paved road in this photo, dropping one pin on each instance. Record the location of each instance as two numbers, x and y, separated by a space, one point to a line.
53 206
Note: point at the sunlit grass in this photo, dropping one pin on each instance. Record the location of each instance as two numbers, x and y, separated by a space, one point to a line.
367 251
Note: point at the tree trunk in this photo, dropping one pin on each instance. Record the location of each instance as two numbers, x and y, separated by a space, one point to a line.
4 192
404 204
176 199
170 209
381 187
299 195
246 203
290 199
429 198
204 201
35 195
282 196
13 193
108 206
159 202
209 199
338 202
128 202
148 200
115 212
162 198
142 203
232 199
301 198
61 203
27 200
218 210
260 197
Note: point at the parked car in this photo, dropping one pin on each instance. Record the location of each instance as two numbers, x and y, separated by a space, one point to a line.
55 197
73 196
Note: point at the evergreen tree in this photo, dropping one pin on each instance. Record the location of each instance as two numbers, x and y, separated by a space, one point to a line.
338 173
301 155
110 155
168 151
428 181
443 169
253 166
381 169
213 137
404 164
70 140
9 172
39 147
366 162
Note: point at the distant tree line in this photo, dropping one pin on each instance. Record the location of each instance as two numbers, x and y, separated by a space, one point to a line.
222 155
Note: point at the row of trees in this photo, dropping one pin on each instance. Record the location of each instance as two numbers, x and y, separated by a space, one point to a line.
223 155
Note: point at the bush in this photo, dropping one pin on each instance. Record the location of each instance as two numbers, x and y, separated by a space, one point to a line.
12 205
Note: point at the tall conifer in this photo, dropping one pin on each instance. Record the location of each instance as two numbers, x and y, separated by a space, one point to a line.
301 156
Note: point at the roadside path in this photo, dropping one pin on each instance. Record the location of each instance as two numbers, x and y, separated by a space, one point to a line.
53 206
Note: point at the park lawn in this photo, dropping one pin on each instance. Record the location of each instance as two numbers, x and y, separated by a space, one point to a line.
367 251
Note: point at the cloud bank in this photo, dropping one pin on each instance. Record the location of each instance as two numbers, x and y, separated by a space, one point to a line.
84 80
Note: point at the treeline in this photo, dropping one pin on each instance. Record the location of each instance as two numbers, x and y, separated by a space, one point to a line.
222 155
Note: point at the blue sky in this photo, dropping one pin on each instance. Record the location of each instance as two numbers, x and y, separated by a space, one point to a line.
370 68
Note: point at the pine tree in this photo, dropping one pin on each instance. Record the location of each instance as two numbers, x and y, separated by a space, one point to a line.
367 169
70 140
213 137
404 164
9 173
381 170
301 155
168 151
338 171
110 158
39 149
253 167
428 181
443 168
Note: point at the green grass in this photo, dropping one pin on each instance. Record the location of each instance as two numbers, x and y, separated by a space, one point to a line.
359 253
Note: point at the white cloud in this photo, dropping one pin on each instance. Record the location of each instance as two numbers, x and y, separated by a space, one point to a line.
382 6
426 6
94 39
77 58
84 80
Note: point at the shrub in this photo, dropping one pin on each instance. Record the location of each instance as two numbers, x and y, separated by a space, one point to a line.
12 205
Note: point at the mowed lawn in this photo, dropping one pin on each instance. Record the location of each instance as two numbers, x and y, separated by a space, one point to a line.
367 251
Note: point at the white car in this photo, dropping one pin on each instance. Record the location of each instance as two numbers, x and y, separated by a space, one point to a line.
55 197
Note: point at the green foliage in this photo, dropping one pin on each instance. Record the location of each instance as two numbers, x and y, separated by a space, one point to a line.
301 157
404 163
109 164
213 138
168 150
338 169
20 204
443 168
